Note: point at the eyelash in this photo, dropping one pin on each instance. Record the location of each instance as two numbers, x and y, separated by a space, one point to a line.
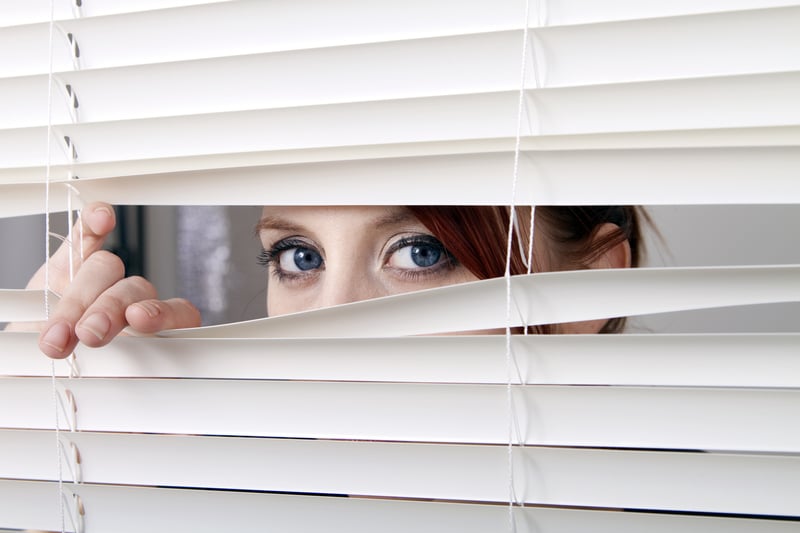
271 258
448 261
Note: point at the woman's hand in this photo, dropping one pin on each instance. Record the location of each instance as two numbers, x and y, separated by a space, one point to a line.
100 301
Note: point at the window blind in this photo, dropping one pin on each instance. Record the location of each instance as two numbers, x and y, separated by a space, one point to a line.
357 418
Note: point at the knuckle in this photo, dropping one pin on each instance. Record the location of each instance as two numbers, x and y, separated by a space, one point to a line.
108 261
69 309
142 285
112 304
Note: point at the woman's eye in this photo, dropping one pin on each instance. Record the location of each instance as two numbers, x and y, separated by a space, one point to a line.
417 255
299 259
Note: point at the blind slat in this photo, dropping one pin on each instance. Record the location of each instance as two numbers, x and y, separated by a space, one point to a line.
588 11
675 176
544 298
717 360
721 483
677 47
779 136
662 417
249 27
563 12
38 11
739 101
21 305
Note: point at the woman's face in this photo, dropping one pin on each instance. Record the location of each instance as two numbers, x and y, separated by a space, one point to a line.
323 256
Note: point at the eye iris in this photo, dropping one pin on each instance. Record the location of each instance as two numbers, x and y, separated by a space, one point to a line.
425 255
306 259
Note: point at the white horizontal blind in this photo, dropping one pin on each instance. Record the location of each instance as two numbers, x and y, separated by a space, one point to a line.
337 419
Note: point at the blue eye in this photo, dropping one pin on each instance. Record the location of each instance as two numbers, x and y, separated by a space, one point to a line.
299 259
291 259
425 255
416 253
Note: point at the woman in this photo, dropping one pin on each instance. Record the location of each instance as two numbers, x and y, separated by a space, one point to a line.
322 256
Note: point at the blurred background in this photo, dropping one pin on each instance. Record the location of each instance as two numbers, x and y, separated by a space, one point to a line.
208 254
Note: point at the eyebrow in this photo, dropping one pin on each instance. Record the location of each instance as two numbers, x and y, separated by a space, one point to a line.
277 223
392 219
272 222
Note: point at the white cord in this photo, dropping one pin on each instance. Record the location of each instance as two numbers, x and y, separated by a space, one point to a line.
47 259
509 250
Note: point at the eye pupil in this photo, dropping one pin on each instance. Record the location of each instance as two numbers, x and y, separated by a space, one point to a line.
307 259
425 256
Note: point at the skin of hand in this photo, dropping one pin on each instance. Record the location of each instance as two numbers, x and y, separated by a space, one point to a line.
100 301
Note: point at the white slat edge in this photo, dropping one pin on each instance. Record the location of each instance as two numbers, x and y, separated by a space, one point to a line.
29 505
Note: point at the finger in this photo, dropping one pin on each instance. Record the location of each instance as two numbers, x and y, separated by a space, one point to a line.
100 272
88 234
105 318
152 316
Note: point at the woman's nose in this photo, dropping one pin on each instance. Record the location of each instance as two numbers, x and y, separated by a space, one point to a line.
349 287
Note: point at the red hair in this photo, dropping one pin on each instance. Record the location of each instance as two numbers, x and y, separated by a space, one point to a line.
477 236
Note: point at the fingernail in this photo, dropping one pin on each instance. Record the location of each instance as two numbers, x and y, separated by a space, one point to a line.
96 324
101 215
57 336
151 309
103 209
